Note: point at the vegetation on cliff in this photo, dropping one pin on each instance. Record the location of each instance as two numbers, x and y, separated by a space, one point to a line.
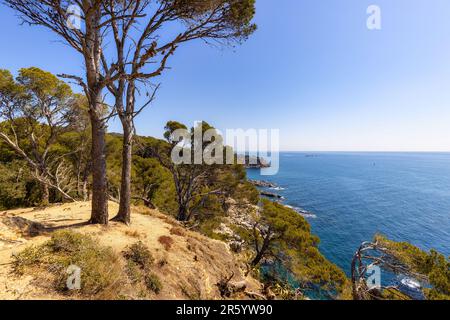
432 265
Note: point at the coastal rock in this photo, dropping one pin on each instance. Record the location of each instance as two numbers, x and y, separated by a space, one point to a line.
271 195
242 215
253 162
263 184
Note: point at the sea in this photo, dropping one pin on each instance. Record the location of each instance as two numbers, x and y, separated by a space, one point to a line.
349 197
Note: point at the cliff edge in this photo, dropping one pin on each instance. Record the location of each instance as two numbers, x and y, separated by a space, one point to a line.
187 264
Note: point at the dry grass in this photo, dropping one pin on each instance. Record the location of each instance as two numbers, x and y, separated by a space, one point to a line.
177 231
101 270
133 233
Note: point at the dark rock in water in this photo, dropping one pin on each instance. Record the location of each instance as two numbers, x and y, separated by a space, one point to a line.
263 184
271 195
252 162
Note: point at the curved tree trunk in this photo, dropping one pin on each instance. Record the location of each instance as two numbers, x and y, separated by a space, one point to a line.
262 251
124 214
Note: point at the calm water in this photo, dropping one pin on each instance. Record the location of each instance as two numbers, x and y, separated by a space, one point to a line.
352 196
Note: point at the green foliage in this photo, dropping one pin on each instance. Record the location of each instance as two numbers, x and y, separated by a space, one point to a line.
30 257
201 188
233 17
151 183
170 128
140 255
42 85
17 187
286 243
37 110
150 179
12 185
138 268
433 265
209 224
153 283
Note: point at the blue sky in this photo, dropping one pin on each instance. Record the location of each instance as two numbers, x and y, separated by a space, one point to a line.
312 70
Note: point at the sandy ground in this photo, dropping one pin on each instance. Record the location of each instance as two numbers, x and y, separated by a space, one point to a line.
194 265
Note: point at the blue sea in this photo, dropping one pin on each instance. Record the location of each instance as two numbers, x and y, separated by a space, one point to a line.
349 197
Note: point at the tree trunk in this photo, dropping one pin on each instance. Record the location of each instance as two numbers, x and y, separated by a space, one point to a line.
92 56
257 259
124 214
261 252
99 214
85 191
148 203
79 190
45 194
182 213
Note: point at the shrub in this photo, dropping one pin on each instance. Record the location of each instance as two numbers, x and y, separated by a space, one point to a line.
139 262
134 272
29 257
166 241
163 262
153 283
140 255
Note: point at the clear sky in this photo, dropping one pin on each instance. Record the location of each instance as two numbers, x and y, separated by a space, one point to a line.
312 70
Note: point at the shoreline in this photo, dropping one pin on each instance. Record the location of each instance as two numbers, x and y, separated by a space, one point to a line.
263 184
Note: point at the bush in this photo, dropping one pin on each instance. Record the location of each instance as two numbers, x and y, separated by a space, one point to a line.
140 255
166 241
29 257
138 268
134 272
153 283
